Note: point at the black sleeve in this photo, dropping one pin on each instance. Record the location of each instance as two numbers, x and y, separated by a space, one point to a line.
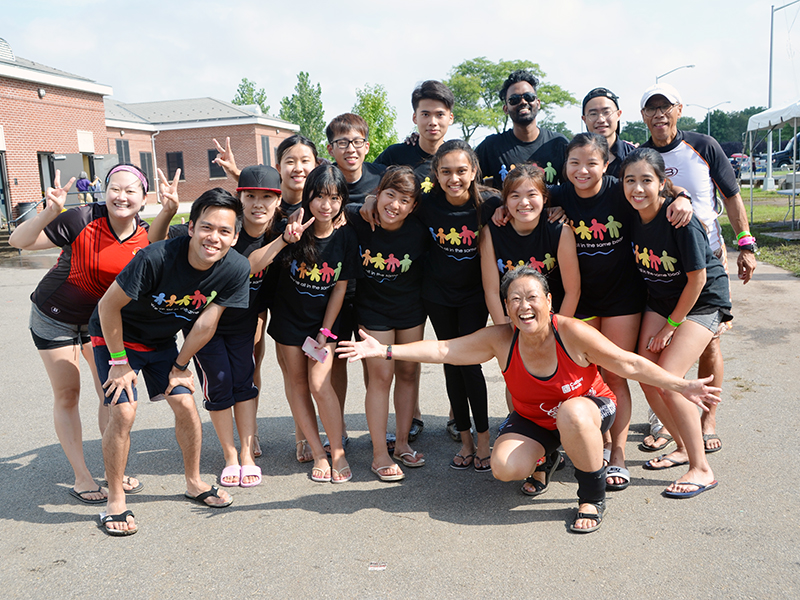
236 293
178 230
137 279
489 206
63 230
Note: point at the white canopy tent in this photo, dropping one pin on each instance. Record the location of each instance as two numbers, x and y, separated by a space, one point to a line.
770 119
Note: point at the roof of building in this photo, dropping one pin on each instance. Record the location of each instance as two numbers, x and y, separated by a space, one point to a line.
16 67
190 112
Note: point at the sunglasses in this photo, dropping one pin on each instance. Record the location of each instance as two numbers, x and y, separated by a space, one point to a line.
515 99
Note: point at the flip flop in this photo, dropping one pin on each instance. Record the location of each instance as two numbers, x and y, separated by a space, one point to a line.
79 495
388 478
249 471
711 436
466 462
410 462
622 473
416 429
256 447
323 478
230 471
482 468
343 480
647 448
675 463
105 518
300 447
201 498
127 479
700 489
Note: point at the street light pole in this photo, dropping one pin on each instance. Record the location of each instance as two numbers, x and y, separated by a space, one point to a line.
769 182
710 108
679 68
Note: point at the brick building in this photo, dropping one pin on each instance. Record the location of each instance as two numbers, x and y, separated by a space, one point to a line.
181 133
49 120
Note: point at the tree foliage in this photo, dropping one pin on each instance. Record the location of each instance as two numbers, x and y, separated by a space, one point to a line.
634 132
372 104
304 108
476 83
557 126
247 94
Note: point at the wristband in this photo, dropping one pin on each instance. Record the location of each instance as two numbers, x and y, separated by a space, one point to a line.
180 367
389 352
116 355
747 240
328 333
673 323
741 235
119 361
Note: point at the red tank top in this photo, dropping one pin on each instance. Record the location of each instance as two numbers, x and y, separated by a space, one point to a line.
537 399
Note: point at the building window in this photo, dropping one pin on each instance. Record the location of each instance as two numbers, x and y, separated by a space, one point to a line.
175 162
146 163
123 151
267 157
214 170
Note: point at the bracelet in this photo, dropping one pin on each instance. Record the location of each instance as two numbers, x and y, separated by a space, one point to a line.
741 235
119 361
746 240
180 367
389 352
673 323
118 354
328 333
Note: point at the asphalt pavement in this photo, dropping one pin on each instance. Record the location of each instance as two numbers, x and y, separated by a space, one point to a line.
440 533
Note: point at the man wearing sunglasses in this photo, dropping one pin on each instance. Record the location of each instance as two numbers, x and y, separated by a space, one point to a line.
525 142
697 163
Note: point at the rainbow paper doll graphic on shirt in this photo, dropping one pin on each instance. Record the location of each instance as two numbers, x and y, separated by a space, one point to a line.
597 236
383 268
187 307
458 245
316 280
655 266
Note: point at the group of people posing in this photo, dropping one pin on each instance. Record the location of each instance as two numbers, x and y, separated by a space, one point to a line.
594 267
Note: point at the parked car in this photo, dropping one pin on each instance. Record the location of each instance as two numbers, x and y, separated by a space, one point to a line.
784 157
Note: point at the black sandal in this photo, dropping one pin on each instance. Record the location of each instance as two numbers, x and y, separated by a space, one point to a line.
549 467
598 518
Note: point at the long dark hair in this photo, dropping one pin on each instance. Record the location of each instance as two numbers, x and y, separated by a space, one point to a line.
325 179
458 146
656 162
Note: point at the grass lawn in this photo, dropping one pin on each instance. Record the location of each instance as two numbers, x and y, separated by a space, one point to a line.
176 220
769 209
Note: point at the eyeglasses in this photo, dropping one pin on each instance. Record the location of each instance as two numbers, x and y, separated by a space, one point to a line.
515 99
343 143
652 111
593 115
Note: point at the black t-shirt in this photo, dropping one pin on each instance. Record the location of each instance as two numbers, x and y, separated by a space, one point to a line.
452 272
620 149
389 296
665 254
303 291
500 152
289 209
538 249
410 156
167 292
609 284
371 174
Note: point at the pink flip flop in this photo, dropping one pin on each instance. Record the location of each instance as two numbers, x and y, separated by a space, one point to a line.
250 471
230 471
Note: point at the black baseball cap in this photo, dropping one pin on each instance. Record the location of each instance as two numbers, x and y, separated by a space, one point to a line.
260 177
600 93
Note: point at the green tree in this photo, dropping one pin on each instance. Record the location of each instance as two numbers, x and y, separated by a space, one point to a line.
557 126
635 132
372 104
687 124
476 84
304 108
247 94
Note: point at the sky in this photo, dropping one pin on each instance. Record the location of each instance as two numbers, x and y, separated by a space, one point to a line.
148 51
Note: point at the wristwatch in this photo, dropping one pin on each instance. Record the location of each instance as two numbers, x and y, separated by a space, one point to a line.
752 247
685 194
180 367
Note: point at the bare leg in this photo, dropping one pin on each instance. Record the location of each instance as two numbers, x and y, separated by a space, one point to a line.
63 369
514 457
259 350
376 405
116 445
223 425
296 380
189 434
245 416
319 380
406 392
711 363
304 453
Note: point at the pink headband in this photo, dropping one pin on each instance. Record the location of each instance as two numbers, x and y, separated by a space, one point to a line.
129 169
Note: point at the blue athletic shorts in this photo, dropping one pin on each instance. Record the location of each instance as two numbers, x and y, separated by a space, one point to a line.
225 368
155 365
